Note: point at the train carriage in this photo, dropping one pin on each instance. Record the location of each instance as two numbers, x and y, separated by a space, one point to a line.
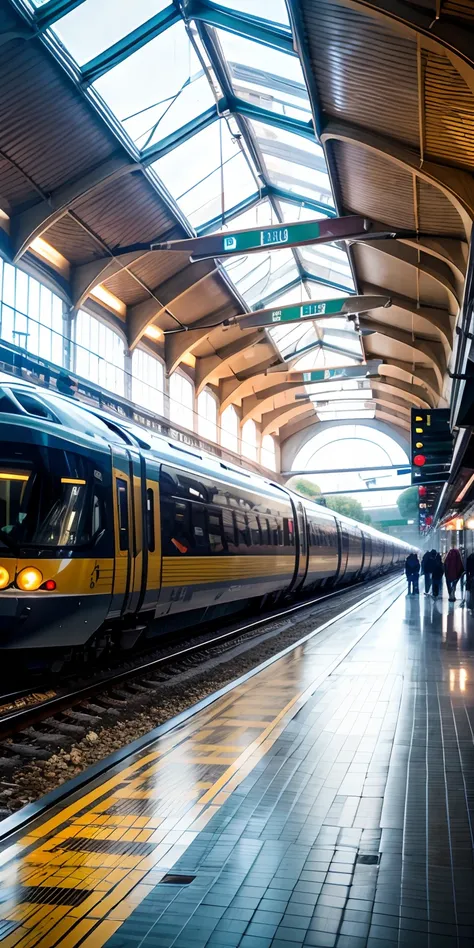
109 534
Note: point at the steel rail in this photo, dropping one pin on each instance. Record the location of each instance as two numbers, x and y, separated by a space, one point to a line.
16 721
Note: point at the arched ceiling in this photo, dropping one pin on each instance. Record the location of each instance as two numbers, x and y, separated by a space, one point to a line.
111 154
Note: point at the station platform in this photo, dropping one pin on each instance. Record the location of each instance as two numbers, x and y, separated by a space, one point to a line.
325 801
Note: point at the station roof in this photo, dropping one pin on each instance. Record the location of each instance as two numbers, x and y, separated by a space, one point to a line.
125 123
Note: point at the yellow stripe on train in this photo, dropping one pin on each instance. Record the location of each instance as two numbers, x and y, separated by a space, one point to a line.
184 571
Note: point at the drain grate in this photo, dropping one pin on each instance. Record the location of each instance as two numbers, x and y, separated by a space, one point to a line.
368 859
175 879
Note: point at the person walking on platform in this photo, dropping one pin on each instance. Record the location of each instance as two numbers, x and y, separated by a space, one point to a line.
412 570
453 570
427 568
470 580
437 572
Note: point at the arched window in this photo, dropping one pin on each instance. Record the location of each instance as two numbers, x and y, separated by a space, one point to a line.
147 381
207 415
99 353
182 401
249 440
230 429
268 452
31 315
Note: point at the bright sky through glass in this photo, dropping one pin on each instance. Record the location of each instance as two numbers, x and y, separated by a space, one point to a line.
170 82
342 448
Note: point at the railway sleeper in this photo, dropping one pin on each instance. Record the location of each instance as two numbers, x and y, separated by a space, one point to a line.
28 750
97 709
45 737
72 730
82 716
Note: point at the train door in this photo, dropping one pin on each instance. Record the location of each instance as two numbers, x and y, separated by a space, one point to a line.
367 553
301 567
129 576
152 539
343 542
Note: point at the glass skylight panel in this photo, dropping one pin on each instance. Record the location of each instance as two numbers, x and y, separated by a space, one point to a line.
158 89
304 181
261 215
322 259
95 25
262 274
269 91
192 173
274 10
322 359
332 415
246 52
299 212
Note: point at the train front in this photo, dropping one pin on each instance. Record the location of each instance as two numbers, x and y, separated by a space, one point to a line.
56 553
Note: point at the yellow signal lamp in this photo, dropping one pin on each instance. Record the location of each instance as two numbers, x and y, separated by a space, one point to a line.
4 577
29 579
419 430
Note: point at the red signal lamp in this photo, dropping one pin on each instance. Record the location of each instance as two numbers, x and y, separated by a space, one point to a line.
422 491
419 460
429 521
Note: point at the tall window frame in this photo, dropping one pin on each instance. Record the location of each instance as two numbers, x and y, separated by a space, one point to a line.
181 400
207 412
148 380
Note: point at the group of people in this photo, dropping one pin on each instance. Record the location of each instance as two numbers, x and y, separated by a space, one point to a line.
433 569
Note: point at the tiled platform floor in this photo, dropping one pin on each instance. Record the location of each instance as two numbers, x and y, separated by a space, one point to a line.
311 809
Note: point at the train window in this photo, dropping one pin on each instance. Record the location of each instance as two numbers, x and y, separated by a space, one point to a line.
33 406
216 533
273 529
198 519
97 514
242 530
150 519
288 532
254 528
263 524
228 527
122 506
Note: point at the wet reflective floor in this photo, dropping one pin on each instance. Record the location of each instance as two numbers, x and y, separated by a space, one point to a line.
327 801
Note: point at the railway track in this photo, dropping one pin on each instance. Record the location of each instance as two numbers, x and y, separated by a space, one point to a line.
34 726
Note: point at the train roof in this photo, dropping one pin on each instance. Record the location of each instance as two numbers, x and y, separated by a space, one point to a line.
105 428
99 425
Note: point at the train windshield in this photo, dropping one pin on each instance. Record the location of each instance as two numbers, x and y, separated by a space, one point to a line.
48 498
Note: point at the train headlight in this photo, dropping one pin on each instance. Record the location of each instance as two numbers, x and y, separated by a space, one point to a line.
4 577
29 578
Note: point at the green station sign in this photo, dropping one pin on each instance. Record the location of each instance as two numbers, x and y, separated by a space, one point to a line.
312 309
269 238
369 370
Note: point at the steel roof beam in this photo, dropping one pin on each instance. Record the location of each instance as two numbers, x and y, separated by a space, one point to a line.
208 367
24 227
267 117
143 314
210 226
432 351
447 31
456 185
130 44
254 28
291 198
440 319
435 269
53 10
176 138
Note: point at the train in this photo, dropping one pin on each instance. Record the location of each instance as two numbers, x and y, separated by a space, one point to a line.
111 535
